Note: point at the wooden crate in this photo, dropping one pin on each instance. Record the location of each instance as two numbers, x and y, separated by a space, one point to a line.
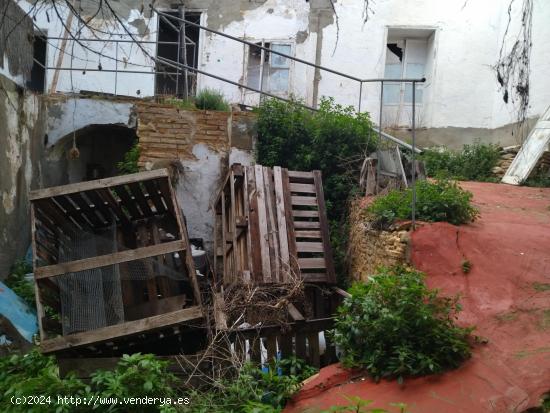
270 226
112 262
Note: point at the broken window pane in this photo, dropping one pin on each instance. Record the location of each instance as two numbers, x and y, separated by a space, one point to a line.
254 65
275 70
280 61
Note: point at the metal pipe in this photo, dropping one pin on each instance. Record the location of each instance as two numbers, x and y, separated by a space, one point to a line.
116 66
413 177
379 135
117 40
396 140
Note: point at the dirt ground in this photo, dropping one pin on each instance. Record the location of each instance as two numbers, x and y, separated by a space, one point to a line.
506 295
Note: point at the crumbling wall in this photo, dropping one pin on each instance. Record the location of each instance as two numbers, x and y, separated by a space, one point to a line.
371 248
22 125
200 146
508 154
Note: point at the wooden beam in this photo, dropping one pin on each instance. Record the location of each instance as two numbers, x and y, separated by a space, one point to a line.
341 292
97 184
108 259
281 220
121 330
294 313
331 275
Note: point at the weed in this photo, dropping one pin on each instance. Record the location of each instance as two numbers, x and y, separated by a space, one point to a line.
466 266
474 163
443 200
185 104
20 286
129 164
360 405
394 326
541 287
210 99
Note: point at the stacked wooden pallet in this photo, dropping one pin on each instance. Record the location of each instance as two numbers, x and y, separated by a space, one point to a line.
112 261
271 227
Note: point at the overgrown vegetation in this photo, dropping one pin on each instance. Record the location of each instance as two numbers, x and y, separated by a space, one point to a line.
473 163
539 179
210 99
251 390
394 326
442 200
129 163
21 286
334 140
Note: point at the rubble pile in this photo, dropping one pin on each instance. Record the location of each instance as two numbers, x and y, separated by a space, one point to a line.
507 155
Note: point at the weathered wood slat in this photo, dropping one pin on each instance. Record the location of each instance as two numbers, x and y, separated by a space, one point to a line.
304 200
305 213
303 188
307 224
262 218
128 202
281 218
138 195
126 329
109 259
308 234
291 236
310 246
306 263
324 227
97 184
299 174
273 239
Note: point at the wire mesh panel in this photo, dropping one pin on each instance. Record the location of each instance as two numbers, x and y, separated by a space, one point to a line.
109 254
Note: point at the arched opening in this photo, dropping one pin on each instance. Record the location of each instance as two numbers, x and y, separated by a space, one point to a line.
99 149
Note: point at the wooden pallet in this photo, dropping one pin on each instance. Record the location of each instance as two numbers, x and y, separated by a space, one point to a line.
141 211
271 225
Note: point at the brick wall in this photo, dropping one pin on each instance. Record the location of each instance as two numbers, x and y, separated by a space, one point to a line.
166 132
369 248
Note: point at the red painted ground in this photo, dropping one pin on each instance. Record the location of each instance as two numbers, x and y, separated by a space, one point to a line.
506 295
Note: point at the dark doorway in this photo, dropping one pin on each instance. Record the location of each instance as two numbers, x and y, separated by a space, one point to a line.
37 82
182 49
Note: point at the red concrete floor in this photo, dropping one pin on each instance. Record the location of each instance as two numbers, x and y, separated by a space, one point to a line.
506 295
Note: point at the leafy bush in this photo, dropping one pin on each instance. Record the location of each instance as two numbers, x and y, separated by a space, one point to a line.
394 326
334 140
473 163
211 99
129 164
443 200
20 286
253 390
34 374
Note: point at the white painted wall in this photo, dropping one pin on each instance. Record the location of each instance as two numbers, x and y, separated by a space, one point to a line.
462 91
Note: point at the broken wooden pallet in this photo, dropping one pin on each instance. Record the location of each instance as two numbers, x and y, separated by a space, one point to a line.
111 261
271 226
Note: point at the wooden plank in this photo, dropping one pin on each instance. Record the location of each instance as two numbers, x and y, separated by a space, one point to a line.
228 278
246 206
254 225
314 277
294 313
341 292
109 259
128 202
274 254
100 204
307 224
153 193
118 331
311 263
71 211
291 235
262 219
331 275
309 246
308 234
293 175
271 347
97 184
301 346
107 196
220 317
255 350
233 225
302 188
39 308
86 209
305 214
138 195
281 221
285 346
304 200
52 211
313 345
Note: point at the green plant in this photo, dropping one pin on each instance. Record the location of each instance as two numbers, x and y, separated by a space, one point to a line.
20 286
473 163
442 200
539 179
360 405
210 99
466 266
394 326
185 104
129 164
334 140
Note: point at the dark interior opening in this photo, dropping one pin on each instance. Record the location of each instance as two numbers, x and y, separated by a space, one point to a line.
396 50
37 82
174 83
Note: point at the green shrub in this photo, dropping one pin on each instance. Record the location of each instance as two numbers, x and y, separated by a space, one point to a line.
129 164
394 326
34 374
210 99
185 104
443 200
473 163
334 140
20 286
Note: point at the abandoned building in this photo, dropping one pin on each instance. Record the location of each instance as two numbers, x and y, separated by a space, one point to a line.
84 83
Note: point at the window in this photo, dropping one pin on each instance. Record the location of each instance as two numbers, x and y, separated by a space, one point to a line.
269 69
405 58
37 82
